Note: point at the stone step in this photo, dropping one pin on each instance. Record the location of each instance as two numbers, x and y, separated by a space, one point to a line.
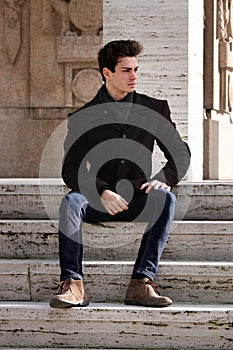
40 199
37 280
189 240
116 326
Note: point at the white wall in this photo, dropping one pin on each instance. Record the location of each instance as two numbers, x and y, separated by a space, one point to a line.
171 64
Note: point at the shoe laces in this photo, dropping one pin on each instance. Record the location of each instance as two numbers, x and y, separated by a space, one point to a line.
64 286
156 289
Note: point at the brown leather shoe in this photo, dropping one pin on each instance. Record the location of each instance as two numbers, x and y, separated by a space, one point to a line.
143 292
71 293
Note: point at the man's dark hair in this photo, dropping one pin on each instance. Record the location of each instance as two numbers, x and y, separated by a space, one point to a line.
108 56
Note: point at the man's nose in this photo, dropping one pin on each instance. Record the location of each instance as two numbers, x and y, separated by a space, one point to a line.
133 75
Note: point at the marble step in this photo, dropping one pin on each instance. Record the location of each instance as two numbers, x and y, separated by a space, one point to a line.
189 240
37 280
116 326
40 199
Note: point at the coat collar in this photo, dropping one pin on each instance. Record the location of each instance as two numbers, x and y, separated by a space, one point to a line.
118 113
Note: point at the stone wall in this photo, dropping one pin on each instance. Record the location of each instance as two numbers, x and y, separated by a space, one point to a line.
47 60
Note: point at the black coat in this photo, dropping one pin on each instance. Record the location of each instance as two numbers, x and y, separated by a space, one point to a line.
107 142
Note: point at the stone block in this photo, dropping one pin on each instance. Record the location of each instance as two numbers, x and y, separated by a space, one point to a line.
16 284
218 145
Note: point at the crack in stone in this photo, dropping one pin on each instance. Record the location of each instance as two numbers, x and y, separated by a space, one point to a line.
29 283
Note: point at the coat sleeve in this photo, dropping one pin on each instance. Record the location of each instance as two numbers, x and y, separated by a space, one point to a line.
175 150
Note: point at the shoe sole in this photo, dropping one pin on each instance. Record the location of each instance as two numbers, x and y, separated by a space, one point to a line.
140 303
61 304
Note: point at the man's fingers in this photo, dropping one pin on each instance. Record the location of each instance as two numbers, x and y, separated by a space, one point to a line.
154 184
144 185
120 204
157 185
109 209
124 202
166 187
115 206
114 209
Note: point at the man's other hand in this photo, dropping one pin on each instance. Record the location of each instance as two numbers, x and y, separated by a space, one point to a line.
155 184
113 202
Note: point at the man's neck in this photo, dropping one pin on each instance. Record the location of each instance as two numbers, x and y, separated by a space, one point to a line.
116 95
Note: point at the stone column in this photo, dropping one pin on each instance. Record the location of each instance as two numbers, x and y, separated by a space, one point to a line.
218 84
171 66
195 87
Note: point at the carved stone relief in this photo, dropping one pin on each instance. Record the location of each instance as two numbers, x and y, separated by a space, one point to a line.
225 36
83 14
12 27
81 87
48 18
48 67
77 44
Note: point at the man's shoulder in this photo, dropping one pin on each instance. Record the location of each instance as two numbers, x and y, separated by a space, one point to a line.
88 104
150 102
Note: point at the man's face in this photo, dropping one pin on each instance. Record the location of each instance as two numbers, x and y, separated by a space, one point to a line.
123 80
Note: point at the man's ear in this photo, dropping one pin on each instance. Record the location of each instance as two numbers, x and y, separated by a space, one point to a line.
106 73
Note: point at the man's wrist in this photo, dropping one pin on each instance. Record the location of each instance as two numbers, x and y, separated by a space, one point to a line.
103 188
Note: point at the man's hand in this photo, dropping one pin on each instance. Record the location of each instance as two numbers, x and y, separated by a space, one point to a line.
155 184
113 202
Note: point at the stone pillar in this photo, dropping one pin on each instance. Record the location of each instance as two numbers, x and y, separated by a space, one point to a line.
171 66
225 38
195 87
48 68
218 83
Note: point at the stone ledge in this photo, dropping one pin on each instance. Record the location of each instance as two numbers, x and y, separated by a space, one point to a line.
189 240
210 187
27 199
181 326
179 227
113 311
204 282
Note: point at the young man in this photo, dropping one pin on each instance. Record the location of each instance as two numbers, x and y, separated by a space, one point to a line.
110 139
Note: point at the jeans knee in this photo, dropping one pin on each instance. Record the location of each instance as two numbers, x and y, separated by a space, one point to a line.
164 198
73 201
164 193
171 198
169 204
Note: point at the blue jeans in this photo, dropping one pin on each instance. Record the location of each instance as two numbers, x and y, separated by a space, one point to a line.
156 208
